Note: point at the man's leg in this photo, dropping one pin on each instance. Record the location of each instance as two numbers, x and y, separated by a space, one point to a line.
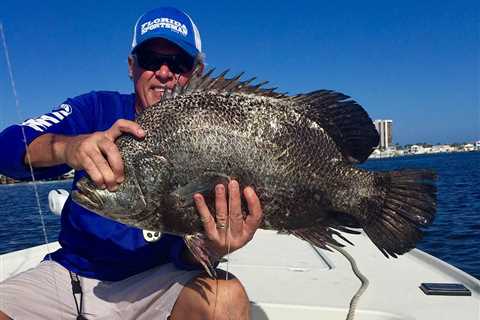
3 316
44 290
206 298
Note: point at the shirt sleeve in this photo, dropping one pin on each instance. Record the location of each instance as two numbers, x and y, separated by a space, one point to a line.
74 116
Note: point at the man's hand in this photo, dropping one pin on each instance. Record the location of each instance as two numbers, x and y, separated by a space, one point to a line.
98 154
231 230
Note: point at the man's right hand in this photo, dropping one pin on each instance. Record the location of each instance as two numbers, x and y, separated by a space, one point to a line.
96 153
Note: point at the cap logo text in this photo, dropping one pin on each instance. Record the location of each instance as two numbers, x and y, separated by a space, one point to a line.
165 23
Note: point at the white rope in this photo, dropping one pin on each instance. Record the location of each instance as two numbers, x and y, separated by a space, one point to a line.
360 276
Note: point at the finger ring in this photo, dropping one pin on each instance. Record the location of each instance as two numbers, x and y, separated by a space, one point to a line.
221 225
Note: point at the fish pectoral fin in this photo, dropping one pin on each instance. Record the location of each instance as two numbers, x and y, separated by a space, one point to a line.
196 243
321 236
204 184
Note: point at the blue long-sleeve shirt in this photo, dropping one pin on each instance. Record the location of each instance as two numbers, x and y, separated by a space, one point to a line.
91 245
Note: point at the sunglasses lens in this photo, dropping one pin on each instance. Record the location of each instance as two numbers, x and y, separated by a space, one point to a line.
152 61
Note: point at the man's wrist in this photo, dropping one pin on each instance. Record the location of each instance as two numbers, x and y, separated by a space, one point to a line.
40 151
59 146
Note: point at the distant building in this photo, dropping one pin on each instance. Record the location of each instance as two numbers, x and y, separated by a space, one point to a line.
384 128
439 148
416 149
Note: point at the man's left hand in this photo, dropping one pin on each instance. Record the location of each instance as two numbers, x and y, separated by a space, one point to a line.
231 230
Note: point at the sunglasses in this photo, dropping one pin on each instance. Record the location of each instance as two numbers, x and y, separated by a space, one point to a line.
152 61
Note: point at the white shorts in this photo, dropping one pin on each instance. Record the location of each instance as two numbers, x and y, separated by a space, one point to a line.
45 292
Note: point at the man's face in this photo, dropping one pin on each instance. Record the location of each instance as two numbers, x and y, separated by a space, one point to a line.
150 84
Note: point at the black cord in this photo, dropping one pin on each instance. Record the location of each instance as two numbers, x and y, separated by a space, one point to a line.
77 289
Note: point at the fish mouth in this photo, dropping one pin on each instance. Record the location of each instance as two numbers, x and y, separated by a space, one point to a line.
87 195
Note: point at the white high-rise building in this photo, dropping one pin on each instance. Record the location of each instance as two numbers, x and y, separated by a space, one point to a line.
384 128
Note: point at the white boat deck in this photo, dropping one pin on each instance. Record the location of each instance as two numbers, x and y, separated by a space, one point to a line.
287 278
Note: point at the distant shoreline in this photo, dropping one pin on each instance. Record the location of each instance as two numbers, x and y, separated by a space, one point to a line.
403 153
8 181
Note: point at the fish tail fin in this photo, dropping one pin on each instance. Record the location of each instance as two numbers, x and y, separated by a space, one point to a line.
408 202
196 243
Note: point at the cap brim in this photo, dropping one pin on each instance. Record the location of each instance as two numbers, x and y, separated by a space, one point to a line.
187 47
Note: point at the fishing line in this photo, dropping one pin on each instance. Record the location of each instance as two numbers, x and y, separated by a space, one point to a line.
32 175
2 260
228 240
228 243
19 115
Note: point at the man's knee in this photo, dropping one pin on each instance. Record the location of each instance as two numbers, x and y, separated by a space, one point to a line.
207 298
3 316
231 300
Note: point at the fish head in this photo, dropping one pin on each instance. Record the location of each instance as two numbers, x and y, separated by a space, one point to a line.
119 205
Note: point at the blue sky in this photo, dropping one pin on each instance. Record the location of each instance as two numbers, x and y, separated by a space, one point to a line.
415 62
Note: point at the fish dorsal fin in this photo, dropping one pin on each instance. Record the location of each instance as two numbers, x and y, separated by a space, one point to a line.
346 122
221 84
234 82
218 82
195 80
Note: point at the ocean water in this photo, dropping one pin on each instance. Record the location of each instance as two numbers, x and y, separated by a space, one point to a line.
453 237
21 223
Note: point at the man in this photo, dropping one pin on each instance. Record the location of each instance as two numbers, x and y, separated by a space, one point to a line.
107 270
